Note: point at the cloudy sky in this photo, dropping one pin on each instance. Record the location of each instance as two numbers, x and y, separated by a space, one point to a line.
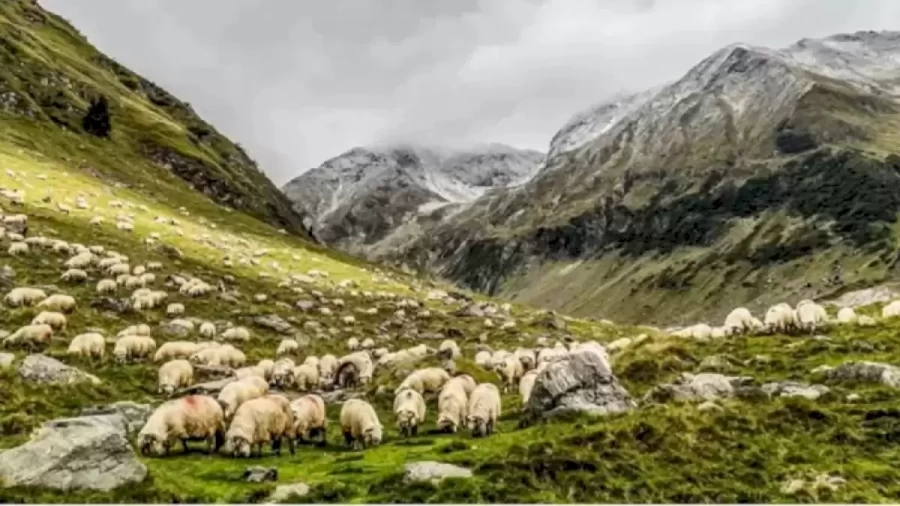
300 81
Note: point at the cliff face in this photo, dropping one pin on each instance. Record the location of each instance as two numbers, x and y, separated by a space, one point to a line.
760 174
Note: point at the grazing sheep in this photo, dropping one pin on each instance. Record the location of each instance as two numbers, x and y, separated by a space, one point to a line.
175 350
452 404
449 350
238 392
107 286
699 331
327 366
266 419
56 320
781 318
17 249
231 356
360 425
246 372
283 372
141 329
207 330
310 420
846 315
24 296
173 375
367 343
287 346
409 408
353 344
483 409
119 269
236 334
268 367
306 377
191 417
510 371
483 358
866 321
175 309
58 302
740 321
91 344
30 336
428 380
810 316
154 266
526 384
133 347
353 369
74 276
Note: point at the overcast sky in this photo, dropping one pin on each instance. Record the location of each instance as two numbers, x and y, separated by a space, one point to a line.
300 81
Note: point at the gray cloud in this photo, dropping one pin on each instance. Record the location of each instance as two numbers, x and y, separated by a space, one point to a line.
300 81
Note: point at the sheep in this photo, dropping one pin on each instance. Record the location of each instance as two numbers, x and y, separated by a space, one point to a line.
891 310
58 302
526 384
56 320
464 381
17 248
409 408
31 336
510 371
154 266
527 357
191 417
360 425
282 372
74 276
483 410
353 369
133 347
80 261
138 270
267 366
175 349
238 392
327 366
208 356
107 286
452 405
207 330
119 269
266 419
699 331
449 350
353 344
231 356
781 318
91 344
175 309
24 296
810 316
310 418
740 321
428 380
483 358
287 346
246 372
236 334
367 343
846 315
141 329
305 377
173 375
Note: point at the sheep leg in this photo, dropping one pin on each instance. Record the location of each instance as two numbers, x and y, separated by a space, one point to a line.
184 445
348 438
290 443
414 430
276 446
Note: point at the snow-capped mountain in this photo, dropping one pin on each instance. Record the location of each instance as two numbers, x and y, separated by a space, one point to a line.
359 198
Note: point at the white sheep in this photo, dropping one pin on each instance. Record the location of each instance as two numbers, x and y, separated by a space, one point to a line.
353 344
74 276
464 381
327 367
283 372
409 409
190 417
238 392
354 369
483 410
360 425
287 346
267 366
310 417
428 380
236 334
107 286
510 371
452 404
306 377
810 316
483 358
175 309
17 248
24 296
133 347
526 384
527 357
208 330
31 336
90 344
175 350
119 269
173 375
846 315
449 350
266 419
56 320
58 302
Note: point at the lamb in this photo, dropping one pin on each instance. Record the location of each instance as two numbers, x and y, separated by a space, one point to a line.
310 418
810 316
191 417
17 248
526 384
266 419
231 356
780 318
31 336
175 309
24 296
699 331
106 286
306 377
527 357
58 302
133 347
173 375
360 425
175 350
91 344
238 392
428 380
452 405
207 330
846 315
236 334
353 344
353 369
449 350
287 346
283 372
511 371
56 320
483 409
409 408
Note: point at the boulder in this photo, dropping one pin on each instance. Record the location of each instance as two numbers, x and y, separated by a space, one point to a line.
697 387
795 389
135 415
433 472
170 329
259 474
111 304
579 382
866 372
6 359
208 388
284 493
275 323
90 452
44 369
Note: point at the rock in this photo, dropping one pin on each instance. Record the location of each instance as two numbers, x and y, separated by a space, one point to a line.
134 414
258 474
867 372
471 310
44 369
284 493
7 277
433 472
275 323
208 388
339 396
111 304
170 329
795 389
579 382
305 305
75 453
6 359
697 387
553 321
171 251
714 363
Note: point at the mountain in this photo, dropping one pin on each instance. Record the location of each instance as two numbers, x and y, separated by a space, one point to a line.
759 175
359 200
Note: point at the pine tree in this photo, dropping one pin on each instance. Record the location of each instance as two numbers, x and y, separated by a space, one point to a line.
96 121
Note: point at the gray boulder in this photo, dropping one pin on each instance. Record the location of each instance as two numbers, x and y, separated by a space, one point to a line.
170 329
579 382
698 387
866 372
17 227
284 493
6 359
259 474
795 389
275 323
89 452
135 415
433 471
44 369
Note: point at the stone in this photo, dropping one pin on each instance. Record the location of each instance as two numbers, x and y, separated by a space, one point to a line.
259 474
305 305
697 387
553 321
134 414
338 396
89 452
471 310
44 369
795 389
867 372
171 251
433 472
174 330
17 227
111 304
580 382
208 388
284 493
6 359
275 323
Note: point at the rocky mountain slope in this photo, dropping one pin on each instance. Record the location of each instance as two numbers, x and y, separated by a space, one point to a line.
759 175
360 199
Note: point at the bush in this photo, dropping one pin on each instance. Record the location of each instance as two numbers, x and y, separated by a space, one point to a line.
96 122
